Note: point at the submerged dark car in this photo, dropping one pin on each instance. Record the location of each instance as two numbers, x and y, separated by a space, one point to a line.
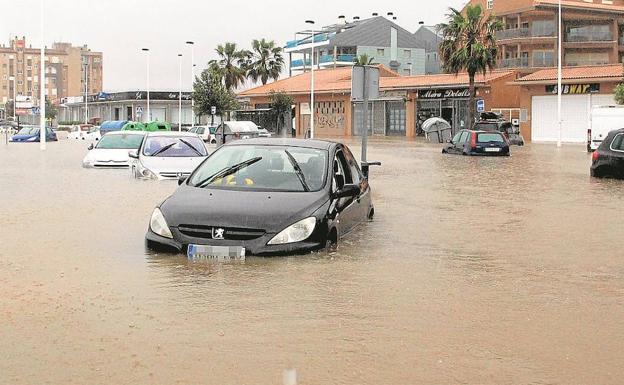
470 142
511 132
264 196
30 134
608 159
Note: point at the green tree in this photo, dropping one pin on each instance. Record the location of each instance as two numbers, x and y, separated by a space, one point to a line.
469 44
364 60
232 65
619 91
265 61
209 90
8 108
50 110
281 105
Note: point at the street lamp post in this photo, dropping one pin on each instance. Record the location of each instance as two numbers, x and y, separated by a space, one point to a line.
147 52
86 91
192 44
180 96
559 80
311 22
42 68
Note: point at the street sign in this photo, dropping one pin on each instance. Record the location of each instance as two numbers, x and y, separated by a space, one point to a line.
358 81
23 102
35 110
213 110
139 110
480 105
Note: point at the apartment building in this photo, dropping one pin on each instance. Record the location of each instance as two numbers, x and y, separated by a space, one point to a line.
339 44
67 68
593 32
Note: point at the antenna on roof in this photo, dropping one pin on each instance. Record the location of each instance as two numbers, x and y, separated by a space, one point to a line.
342 18
390 14
375 14
356 18
393 17
421 23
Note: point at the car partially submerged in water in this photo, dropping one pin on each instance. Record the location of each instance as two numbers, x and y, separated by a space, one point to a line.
264 196
111 151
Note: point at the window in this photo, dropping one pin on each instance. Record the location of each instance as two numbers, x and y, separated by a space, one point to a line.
490 4
407 53
381 52
464 137
356 174
406 72
618 143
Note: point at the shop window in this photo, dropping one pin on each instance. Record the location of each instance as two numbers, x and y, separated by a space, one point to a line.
381 52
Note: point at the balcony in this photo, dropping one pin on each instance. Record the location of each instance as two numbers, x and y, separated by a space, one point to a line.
341 60
299 64
513 33
588 62
521 62
589 33
306 43
537 31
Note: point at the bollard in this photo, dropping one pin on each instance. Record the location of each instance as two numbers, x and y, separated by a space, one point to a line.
289 377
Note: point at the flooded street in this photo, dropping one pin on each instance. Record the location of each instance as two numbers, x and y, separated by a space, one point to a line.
475 271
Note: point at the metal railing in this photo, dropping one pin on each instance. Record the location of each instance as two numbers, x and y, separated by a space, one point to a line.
588 37
521 62
299 63
524 32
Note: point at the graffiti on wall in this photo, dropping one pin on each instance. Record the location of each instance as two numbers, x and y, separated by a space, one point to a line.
330 115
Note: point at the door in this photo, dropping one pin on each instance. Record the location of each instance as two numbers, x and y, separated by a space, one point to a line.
395 118
459 141
347 208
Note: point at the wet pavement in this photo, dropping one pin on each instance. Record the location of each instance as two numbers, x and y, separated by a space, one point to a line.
475 271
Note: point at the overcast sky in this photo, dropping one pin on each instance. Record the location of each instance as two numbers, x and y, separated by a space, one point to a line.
119 28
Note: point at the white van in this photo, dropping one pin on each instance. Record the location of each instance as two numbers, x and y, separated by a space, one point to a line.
603 120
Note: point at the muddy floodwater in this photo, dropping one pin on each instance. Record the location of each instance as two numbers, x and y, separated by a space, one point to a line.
475 271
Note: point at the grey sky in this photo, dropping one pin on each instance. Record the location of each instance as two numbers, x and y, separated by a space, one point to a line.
119 28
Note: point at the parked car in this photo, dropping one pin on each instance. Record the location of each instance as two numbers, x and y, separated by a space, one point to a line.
31 134
263 133
264 196
167 155
233 130
604 119
490 121
93 134
207 133
112 150
608 159
79 131
112 125
471 142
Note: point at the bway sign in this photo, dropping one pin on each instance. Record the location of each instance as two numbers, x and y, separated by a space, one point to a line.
452 93
574 89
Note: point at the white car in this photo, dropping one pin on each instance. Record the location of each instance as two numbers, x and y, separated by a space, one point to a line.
205 132
93 135
112 150
79 131
167 155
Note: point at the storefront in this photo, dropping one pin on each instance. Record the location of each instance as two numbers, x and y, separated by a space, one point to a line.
583 88
451 104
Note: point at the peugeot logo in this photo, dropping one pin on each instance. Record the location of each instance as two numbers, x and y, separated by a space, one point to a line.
218 233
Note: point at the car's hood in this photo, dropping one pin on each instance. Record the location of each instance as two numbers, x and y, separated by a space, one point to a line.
268 211
158 164
107 155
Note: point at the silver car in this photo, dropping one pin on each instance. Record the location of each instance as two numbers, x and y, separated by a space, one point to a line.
167 155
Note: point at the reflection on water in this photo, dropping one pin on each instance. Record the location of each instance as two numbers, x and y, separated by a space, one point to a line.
475 270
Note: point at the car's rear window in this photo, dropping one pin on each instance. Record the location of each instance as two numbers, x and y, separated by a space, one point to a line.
490 137
618 143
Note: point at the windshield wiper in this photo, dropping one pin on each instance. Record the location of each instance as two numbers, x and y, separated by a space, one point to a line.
163 149
228 171
298 170
191 147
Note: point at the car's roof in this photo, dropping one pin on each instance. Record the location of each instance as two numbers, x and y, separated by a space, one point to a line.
171 133
288 142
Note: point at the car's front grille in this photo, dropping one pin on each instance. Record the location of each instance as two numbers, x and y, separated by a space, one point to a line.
110 165
229 233
173 174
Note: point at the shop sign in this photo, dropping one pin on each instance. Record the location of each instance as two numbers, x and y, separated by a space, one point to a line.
453 93
574 89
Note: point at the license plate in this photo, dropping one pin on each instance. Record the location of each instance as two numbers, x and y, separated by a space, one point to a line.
216 253
492 149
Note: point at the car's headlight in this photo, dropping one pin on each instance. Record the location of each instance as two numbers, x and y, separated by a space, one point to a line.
144 172
88 163
32 139
297 232
158 224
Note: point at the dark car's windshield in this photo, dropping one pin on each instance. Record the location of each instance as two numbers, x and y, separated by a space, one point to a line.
28 131
123 141
490 137
272 169
174 146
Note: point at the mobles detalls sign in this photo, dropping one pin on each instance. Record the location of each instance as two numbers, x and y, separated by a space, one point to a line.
574 89
452 93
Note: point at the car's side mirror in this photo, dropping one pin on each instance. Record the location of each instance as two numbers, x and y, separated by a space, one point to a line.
366 167
348 191
182 179
133 154
90 147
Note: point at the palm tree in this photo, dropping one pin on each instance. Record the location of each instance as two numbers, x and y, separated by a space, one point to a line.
363 60
266 61
469 44
232 64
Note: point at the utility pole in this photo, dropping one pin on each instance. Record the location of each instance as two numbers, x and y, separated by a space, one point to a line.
559 81
42 88
180 96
